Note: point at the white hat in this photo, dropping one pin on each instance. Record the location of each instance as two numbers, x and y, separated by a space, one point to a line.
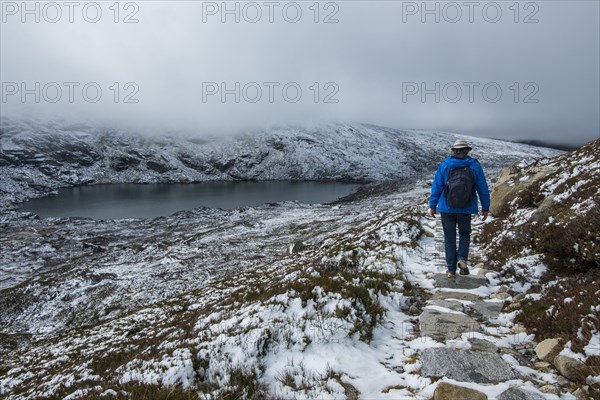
461 144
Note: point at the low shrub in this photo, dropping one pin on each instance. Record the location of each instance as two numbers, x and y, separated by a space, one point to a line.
567 308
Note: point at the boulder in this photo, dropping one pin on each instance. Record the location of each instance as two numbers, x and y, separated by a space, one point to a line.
519 394
465 365
510 184
571 368
547 349
447 391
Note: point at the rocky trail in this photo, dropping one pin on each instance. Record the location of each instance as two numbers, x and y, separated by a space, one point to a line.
475 361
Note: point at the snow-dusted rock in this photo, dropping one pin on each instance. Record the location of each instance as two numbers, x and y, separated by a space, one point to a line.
465 366
444 325
450 304
508 185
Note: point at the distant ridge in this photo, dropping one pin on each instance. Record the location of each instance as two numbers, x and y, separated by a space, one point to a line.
37 158
543 143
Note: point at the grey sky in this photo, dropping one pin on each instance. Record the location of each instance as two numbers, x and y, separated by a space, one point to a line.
375 60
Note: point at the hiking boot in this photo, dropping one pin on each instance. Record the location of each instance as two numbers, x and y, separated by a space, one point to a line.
462 265
450 275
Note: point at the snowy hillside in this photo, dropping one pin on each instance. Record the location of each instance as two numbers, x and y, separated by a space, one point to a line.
285 301
36 158
547 242
327 302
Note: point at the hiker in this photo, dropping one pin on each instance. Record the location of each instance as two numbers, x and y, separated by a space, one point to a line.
458 181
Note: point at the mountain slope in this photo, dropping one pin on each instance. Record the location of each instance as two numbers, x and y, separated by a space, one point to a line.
550 207
37 158
546 242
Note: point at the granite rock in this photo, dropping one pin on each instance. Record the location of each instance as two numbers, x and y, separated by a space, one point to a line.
547 349
447 391
483 345
487 309
465 365
446 326
571 368
449 304
519 394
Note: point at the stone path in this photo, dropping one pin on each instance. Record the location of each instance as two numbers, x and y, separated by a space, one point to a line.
456 311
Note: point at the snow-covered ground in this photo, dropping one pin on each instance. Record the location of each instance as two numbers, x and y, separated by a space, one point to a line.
331 319
277 301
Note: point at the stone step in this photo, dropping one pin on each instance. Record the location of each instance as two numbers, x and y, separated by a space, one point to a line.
448 294
443 326
465 365
487 309
450 304
460 281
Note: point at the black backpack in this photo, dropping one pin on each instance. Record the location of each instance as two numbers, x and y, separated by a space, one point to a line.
460 187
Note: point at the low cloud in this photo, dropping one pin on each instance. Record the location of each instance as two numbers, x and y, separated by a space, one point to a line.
483 68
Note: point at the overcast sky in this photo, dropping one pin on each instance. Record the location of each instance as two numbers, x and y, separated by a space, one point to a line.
384 62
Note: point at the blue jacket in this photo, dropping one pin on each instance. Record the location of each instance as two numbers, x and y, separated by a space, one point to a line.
437 198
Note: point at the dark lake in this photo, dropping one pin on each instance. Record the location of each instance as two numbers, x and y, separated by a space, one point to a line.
153 200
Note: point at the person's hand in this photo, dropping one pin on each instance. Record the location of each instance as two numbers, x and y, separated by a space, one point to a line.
432 212
484 215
